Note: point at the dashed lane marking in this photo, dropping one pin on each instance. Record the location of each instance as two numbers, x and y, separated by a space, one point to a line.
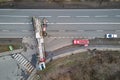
73 37
13 16
45 16
25 30
66 37
117 15
117 30
53 30
50 23
5 30
64 16
80 30
20 16
102 16
83 16
99 30
70 30
61 30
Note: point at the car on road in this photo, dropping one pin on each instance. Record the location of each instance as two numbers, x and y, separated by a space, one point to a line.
111 36
84 42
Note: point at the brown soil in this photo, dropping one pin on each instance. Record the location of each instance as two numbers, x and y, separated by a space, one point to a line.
98 65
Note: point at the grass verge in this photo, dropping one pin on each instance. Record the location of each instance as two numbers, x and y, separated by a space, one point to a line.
5 47
99 65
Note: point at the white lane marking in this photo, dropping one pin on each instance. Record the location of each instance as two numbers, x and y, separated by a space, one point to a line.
80 30
15 23
117 30
59 9
90 23
64 16
12 16
20 16
61 30
102 16
83 16
6 30
99 30
24 30
62 37
50 23
117 15
69 23
45 16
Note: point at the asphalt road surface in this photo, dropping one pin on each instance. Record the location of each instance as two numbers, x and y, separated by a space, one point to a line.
63 23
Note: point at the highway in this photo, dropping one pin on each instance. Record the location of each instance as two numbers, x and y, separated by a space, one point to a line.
63 26
77 23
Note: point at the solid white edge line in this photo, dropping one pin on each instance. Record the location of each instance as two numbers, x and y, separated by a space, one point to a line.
89 23
12 16
69 23
15 23
59 10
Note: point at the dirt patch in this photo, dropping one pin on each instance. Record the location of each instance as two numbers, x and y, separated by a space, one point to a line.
60 4
16 43
5 47
99 65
